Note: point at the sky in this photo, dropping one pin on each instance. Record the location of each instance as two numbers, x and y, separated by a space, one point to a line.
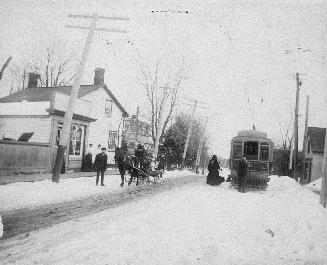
240 56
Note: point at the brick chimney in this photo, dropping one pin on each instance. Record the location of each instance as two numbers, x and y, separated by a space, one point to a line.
99 76
32 80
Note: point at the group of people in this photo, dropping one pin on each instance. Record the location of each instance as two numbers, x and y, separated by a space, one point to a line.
214 178
96 160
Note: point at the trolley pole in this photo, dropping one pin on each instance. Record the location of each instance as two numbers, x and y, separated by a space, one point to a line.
188 134
296 126
64 137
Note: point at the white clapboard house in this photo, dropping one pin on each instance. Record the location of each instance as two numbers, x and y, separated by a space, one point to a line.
31 122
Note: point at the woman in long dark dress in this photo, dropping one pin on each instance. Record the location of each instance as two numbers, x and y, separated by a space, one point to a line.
213 177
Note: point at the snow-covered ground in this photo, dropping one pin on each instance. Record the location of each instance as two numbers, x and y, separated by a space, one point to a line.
26 194
197 224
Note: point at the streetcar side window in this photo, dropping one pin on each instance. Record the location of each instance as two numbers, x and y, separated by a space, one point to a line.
264 151
251 150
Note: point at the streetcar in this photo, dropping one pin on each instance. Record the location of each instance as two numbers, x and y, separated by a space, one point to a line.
258 149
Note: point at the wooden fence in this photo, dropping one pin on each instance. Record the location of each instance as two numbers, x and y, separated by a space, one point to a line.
25 157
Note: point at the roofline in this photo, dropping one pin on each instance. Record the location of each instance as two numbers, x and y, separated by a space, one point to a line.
125 113
75 116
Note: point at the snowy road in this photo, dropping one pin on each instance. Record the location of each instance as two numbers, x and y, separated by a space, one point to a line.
23 221
192 224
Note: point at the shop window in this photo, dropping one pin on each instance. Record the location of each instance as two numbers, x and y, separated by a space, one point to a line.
108 108
76 140
112 140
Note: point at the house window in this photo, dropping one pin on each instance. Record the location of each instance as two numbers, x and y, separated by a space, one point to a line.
108 108
126 126
112 140
76 140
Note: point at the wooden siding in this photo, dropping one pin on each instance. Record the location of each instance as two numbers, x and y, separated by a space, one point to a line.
16 157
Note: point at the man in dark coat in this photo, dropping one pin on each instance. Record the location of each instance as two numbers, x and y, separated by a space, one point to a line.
132 171
100 165
241 174
213 175
139 154
122 168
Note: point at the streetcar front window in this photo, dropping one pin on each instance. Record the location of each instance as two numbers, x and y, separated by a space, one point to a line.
251 150
264 151
237 150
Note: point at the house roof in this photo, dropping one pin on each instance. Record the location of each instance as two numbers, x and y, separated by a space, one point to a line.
317 137
44 94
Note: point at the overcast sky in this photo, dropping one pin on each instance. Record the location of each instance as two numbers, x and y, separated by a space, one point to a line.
239 54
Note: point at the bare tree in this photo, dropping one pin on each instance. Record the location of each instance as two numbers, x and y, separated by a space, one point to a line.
162 87
55 65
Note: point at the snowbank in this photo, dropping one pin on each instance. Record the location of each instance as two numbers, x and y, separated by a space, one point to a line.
197 224
315 185
26 194
1 227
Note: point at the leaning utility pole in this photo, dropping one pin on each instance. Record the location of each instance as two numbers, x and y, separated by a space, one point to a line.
64 137
323 189
305 138
198 155
296 126
188 134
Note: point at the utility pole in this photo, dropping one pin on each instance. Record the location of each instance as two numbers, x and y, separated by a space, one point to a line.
296 125
188 134
198 155
137 124
305 138
323 189
64 137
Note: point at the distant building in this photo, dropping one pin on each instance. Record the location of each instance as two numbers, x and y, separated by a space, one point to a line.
136 131
34 117
314 153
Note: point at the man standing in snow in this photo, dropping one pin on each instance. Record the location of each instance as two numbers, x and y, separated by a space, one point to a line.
241 174
122 168
100 165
